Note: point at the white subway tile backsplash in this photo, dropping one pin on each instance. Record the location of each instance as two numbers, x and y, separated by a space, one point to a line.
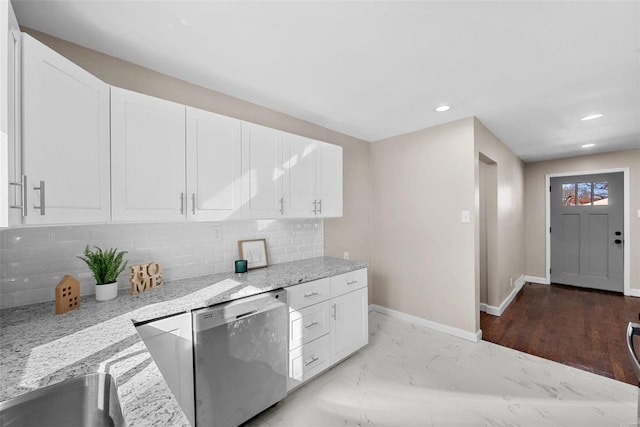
33 260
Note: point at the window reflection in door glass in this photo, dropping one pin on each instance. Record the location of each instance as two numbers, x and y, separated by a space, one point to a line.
601 193
584 193
568 194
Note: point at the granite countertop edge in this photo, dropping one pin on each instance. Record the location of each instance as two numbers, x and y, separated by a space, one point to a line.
40 348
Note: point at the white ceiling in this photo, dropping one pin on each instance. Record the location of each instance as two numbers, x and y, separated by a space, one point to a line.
527 70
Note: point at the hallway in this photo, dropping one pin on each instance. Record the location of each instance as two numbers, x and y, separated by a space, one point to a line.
578 327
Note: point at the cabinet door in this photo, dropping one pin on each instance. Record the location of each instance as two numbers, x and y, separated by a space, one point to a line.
13 126
262 172
214 164
349 326
147 157
171 345
329 180
300 178
65 139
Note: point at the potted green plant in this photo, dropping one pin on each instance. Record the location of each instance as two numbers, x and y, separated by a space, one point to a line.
106 266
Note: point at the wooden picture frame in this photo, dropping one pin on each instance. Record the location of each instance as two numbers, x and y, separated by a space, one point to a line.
255 252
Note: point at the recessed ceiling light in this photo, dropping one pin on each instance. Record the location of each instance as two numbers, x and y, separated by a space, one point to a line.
588 145
592 116
443 108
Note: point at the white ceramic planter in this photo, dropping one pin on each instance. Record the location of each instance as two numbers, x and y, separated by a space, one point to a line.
106 292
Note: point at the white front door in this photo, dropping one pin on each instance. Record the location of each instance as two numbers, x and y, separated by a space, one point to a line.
587 217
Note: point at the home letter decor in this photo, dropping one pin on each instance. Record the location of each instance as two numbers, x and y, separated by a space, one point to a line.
145 277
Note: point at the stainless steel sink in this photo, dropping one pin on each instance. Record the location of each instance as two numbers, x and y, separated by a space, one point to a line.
90 400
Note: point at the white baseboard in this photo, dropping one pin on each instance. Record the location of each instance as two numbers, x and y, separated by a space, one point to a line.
497 311
469 336
538 280
634 293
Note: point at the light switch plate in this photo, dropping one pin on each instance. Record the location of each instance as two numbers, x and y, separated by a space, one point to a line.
466 217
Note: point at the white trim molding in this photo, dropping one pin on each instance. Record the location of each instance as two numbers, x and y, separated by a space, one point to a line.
634 293
497 311
450 330
627 221
538 280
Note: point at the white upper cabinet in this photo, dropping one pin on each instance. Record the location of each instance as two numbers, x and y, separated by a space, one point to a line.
148 158
262 172
300 166
286 175
65 139
329 180
214 166
313 178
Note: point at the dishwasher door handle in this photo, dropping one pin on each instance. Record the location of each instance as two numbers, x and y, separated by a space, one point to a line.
248 313
633 329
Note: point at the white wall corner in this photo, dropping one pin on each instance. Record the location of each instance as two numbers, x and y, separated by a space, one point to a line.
450 330
538 280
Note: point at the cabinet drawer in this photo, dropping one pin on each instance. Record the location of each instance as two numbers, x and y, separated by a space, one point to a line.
307 324
306 294
308 361
348 282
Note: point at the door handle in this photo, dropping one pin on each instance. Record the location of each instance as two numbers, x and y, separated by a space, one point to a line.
42 198
618 241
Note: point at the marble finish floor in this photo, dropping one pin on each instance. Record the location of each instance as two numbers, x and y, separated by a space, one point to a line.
410 375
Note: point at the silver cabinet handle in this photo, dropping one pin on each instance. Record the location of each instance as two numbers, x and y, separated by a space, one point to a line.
193 203
320 207
310 325
281 205
315 207
24 191
351 282
181 203
312 360
333 311
42 198
312 294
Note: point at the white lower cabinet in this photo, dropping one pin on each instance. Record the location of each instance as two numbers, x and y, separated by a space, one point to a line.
349 326
328 321
308 360
170 343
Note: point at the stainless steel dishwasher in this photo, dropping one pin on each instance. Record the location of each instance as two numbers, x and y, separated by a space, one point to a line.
240 358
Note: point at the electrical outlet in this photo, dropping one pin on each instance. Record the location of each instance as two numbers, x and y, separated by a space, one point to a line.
217 233
346 255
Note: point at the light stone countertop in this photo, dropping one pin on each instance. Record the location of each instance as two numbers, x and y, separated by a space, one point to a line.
39 348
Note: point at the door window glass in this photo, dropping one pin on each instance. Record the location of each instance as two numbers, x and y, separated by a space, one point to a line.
568 194
601 193
585 193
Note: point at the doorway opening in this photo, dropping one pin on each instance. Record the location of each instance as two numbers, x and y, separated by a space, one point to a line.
488 224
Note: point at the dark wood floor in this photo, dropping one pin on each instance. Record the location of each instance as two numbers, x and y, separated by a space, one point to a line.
582 328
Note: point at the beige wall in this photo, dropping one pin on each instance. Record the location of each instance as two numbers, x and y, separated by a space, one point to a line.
535 191
510 243
347 234
423 256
